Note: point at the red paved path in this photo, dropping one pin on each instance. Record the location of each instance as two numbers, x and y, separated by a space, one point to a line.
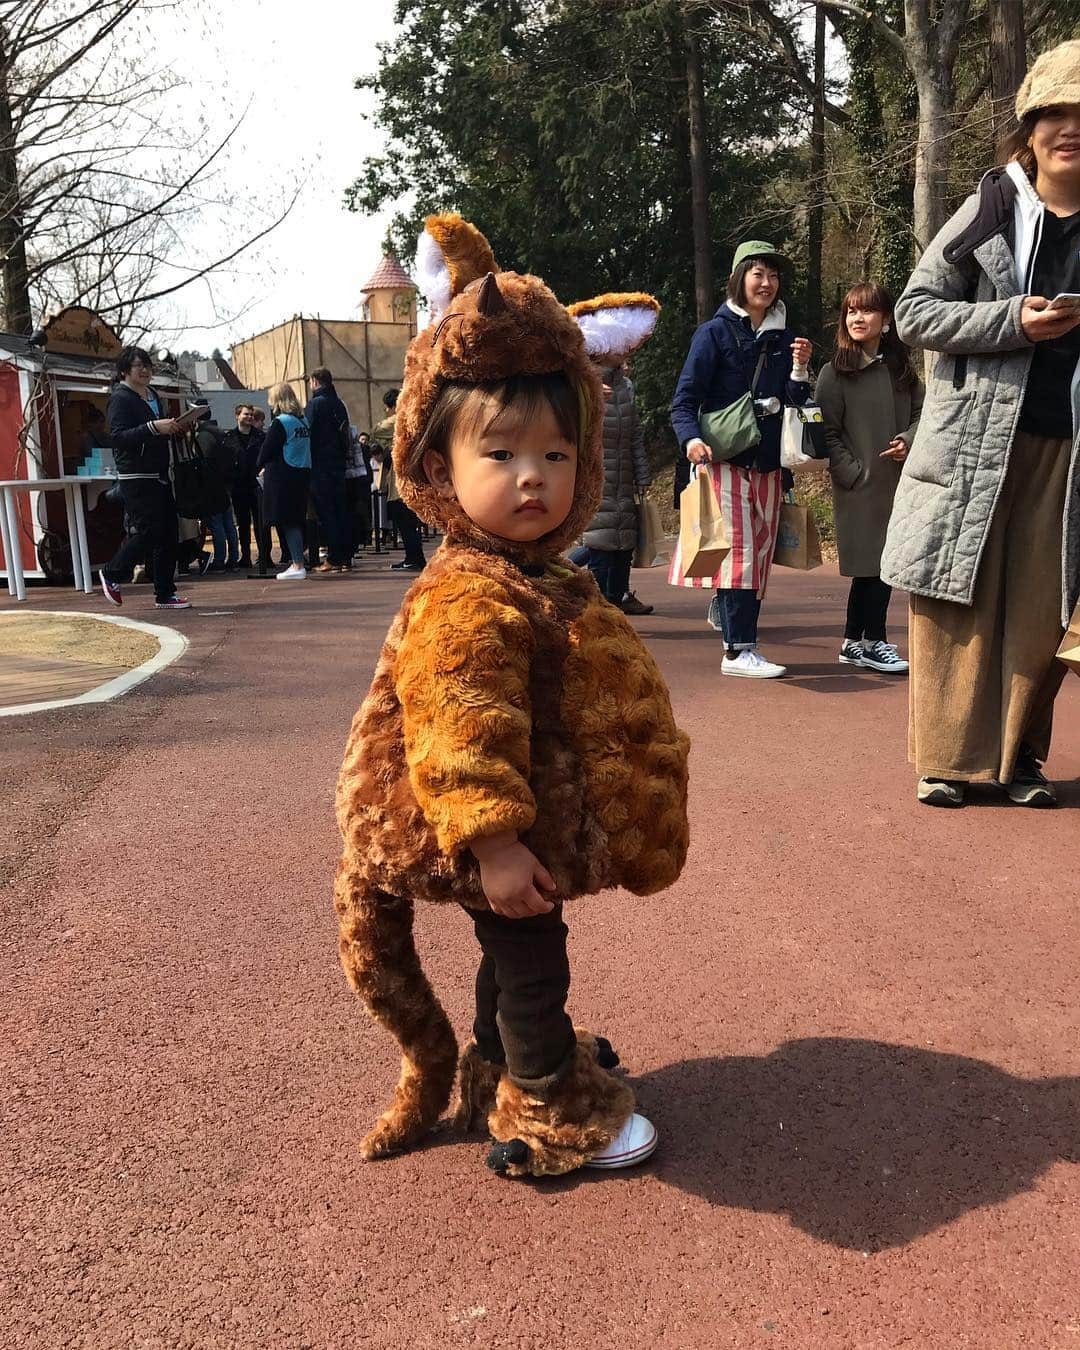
855 1022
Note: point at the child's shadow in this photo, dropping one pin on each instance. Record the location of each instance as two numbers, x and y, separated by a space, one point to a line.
863 1144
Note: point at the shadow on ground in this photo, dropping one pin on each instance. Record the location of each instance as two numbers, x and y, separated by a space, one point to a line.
863 1144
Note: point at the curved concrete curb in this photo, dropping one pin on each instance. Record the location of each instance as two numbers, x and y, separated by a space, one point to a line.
172 645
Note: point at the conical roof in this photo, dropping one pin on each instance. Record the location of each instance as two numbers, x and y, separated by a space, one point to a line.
388 276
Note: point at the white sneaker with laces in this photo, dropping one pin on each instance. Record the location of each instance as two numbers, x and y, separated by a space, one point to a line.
292 573
751 665
635 1142
883 656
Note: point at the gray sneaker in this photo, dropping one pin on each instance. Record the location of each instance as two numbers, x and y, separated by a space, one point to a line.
1029 787
940 792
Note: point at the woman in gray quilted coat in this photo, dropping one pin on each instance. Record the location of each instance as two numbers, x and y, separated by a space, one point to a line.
614 326
612 536
985 532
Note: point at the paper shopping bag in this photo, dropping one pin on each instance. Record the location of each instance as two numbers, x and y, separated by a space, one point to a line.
650 535
703 537
1069 651
797 541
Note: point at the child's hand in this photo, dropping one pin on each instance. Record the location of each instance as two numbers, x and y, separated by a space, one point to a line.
510 874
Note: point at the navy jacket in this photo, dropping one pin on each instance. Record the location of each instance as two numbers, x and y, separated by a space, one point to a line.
719 368
135 447
328 419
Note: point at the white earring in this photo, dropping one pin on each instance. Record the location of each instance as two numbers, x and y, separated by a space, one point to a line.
886 327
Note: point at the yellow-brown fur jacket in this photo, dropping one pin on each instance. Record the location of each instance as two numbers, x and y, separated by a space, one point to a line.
508 695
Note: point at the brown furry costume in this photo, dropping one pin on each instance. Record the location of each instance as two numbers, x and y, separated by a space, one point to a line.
508 696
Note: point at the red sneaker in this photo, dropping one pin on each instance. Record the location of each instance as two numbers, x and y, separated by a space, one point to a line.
173 602
111 590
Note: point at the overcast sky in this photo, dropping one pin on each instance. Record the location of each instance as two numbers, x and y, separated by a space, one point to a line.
305 118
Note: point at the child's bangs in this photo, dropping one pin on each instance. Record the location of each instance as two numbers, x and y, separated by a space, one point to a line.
522 396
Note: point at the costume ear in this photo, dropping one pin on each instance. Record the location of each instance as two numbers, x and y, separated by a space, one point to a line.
616 324
450 253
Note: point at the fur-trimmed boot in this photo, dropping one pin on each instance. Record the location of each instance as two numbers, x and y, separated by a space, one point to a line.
478 1079
546 1137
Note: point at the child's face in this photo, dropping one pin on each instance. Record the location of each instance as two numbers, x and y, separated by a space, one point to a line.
515 481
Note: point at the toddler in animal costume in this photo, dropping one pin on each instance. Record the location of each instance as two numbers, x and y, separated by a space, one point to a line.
517 748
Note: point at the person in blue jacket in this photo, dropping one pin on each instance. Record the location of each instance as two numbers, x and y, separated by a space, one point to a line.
718 370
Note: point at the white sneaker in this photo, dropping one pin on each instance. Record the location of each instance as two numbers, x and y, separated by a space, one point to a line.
883 656
635 1142
751 665
292 573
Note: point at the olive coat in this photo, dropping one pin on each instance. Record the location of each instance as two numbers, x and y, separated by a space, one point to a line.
863 412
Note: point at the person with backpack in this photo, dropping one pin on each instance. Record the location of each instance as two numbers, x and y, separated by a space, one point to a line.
985 532
285 462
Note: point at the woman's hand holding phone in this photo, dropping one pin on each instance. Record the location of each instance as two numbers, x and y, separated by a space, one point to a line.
1042 322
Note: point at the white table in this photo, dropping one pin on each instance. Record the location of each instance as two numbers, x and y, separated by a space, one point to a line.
72 487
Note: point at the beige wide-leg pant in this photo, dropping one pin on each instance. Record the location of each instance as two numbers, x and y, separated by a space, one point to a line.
984 676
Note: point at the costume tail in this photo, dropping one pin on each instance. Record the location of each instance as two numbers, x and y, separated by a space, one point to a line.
380 960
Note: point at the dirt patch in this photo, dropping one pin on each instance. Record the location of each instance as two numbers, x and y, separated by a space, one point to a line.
58 637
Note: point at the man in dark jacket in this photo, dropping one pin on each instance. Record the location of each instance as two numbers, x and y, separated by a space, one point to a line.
328 422
244 441
140 439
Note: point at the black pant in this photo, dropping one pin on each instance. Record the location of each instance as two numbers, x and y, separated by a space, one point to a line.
246 510
328 498
611 568
521 990
867 607
358 507
408 526
152 538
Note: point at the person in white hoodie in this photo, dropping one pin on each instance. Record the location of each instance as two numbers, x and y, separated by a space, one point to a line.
746 347
985 531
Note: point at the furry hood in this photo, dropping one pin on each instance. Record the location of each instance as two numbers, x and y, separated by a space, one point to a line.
486 326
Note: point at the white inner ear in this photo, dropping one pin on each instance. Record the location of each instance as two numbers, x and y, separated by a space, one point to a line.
432 275
616 331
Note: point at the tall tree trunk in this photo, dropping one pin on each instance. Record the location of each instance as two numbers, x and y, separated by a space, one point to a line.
1008 59
932 153
699 181
816 224
12 245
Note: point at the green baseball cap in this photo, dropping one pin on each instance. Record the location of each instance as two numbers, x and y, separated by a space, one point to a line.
758 248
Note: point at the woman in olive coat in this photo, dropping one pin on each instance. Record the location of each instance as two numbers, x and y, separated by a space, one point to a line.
871 401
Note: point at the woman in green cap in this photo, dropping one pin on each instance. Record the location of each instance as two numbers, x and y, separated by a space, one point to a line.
745 347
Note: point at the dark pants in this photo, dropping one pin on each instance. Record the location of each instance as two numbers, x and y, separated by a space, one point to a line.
407 523
151 516
358 509
612 571
328 498
738 612
867 607
521 990
246 511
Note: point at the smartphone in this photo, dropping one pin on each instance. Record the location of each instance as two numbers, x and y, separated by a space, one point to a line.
1065 300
